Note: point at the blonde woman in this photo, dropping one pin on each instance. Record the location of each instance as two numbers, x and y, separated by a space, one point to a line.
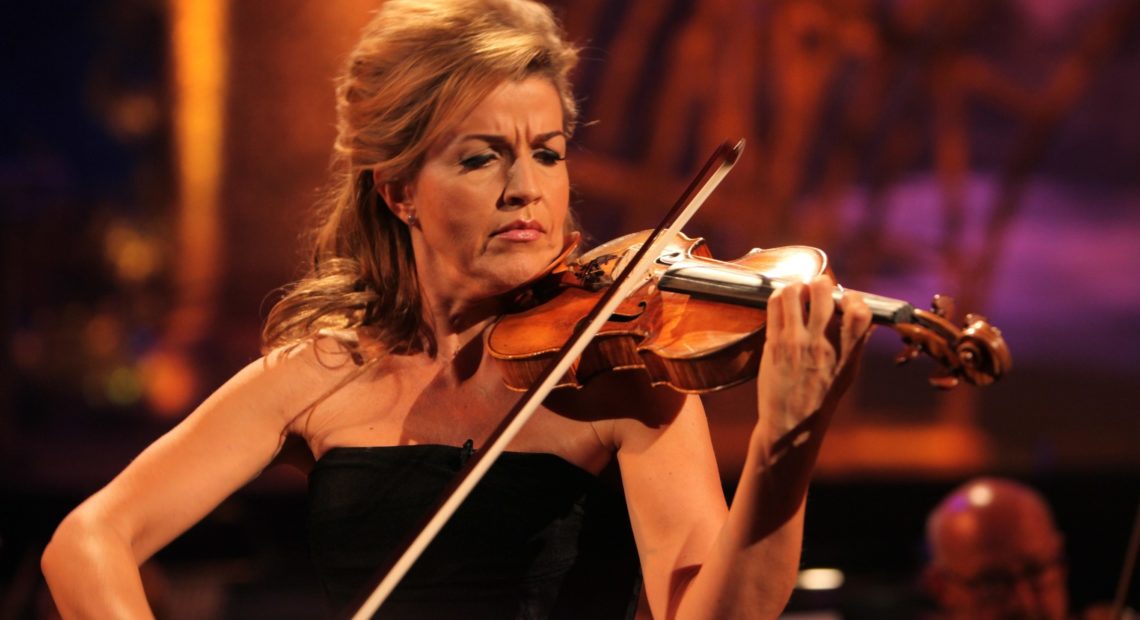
453 185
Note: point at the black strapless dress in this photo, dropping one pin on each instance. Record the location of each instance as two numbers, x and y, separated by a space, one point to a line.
538 538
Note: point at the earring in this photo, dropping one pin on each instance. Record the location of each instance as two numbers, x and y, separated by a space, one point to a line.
411 219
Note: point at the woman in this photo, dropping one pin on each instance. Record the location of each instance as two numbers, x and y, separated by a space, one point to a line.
454 121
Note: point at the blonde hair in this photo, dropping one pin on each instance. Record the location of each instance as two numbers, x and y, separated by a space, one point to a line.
419 67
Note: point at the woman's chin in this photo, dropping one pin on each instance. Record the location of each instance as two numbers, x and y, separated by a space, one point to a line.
496 273
514 273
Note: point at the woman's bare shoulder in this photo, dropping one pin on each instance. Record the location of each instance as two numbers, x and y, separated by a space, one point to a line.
303 371
323 355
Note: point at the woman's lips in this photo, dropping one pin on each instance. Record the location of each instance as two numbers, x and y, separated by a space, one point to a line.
520 231
520 234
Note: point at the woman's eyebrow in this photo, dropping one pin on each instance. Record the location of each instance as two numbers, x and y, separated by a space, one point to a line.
544 137
499 139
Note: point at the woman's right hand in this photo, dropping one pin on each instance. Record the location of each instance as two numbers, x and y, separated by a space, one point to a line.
91 563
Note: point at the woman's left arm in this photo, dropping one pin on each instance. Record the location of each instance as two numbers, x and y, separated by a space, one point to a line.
699 559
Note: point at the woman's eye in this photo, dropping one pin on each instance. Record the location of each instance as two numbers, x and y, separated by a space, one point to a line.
548 157
475 162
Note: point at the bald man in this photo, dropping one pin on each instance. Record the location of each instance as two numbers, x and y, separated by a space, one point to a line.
996 554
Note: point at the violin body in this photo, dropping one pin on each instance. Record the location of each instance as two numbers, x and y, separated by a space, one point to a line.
666 333
697 324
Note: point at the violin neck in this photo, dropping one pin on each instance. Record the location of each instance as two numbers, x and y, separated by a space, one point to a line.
728 284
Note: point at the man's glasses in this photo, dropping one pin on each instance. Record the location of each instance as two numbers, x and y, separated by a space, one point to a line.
999 583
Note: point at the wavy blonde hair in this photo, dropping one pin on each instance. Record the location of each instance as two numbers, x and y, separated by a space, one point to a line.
419 67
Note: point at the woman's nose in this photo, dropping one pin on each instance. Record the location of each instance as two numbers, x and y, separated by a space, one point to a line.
522 187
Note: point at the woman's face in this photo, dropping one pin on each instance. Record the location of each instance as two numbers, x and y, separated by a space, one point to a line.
492 196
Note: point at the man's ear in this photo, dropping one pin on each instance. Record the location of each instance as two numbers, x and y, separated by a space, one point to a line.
934 583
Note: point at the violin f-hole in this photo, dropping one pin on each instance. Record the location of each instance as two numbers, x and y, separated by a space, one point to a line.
622 315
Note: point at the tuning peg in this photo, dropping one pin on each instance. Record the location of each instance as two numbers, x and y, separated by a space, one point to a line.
909 352
974 317
944 382
943 306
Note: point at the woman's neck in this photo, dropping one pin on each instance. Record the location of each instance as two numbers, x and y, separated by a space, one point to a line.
456 321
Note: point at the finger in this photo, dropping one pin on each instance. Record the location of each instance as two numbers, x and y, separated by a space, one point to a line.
822 305
792 307
856 324
776 317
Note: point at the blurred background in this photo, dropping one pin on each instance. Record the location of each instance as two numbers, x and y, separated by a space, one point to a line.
160 158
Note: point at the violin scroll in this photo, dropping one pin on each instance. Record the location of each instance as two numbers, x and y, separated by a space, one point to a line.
977 352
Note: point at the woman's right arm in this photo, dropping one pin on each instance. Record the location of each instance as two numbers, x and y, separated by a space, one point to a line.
91 563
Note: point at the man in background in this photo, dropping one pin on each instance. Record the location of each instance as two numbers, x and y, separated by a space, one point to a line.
996 554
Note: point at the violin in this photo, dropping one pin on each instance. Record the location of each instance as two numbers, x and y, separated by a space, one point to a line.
697 324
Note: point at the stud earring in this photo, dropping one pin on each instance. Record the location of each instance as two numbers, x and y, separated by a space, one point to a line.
411 218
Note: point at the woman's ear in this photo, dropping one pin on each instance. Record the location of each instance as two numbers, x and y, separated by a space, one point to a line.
397 196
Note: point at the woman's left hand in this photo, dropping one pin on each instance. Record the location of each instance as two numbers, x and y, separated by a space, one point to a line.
801 372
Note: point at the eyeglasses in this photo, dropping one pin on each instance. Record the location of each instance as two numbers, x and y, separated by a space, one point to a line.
999 583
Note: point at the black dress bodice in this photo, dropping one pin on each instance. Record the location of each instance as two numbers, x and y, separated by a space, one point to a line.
525 544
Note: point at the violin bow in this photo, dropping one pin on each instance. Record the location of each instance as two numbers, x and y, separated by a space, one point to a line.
715 169
1121 597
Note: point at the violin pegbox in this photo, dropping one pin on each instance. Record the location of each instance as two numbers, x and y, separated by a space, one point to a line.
977 352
